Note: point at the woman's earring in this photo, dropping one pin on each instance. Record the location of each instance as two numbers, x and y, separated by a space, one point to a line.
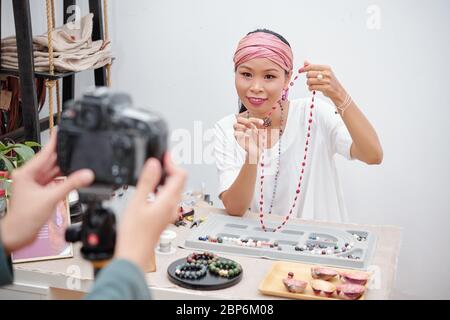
284 95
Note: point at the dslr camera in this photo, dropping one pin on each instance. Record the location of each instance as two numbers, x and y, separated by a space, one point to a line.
103 132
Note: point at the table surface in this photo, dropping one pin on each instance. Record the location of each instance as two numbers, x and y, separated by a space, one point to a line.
76 273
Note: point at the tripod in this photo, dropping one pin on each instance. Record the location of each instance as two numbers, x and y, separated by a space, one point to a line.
97 231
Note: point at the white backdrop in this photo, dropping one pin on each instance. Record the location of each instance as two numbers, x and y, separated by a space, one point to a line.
175 57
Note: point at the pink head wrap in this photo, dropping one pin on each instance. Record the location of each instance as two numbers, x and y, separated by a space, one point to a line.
264 45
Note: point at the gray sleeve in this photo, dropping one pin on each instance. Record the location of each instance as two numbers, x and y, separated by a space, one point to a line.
6 272
120 280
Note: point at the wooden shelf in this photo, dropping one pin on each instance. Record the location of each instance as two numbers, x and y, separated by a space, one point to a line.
32 125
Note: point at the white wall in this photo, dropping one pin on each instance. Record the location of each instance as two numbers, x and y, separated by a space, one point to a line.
176 57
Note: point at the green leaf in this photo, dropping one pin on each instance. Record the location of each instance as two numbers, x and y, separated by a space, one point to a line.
32 144
8 164
2 146
24 152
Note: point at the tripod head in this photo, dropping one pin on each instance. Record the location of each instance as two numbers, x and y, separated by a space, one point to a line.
97 231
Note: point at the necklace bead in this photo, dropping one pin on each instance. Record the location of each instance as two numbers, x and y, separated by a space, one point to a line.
303 165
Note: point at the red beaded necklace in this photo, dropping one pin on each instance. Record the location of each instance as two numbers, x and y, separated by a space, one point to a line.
302 168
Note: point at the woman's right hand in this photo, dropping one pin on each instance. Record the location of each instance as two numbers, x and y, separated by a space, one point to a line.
249 134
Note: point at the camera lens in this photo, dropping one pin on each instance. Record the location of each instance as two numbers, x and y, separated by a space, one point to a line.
90 117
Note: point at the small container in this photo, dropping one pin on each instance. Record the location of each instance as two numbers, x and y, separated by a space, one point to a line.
2 203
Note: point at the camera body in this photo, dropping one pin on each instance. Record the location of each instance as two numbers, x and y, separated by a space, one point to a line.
103 132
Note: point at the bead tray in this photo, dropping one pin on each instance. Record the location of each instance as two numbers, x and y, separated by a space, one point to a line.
290 239
272 284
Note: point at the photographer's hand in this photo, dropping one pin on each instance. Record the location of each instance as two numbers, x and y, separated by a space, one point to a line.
34 196
143 222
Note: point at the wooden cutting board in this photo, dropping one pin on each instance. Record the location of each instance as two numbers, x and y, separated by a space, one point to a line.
272 284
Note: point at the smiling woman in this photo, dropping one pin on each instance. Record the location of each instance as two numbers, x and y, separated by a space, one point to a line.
281 150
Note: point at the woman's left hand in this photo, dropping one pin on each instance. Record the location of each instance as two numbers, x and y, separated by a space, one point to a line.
321 78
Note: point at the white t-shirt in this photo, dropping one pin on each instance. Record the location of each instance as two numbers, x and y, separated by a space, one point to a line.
321 196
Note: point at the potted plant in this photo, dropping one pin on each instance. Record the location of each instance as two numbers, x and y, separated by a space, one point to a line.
12 156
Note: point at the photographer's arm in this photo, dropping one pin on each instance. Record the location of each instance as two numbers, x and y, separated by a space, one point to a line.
120 280
6 273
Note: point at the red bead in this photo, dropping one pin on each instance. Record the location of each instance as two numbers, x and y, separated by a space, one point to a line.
303 170
295 198
303 164
314 92
262 177
301 178
306 149
297 191
287 218
296 77
304 158
261 215
291 83
306 142
310 120
309 128
310 114
311 106
308 135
